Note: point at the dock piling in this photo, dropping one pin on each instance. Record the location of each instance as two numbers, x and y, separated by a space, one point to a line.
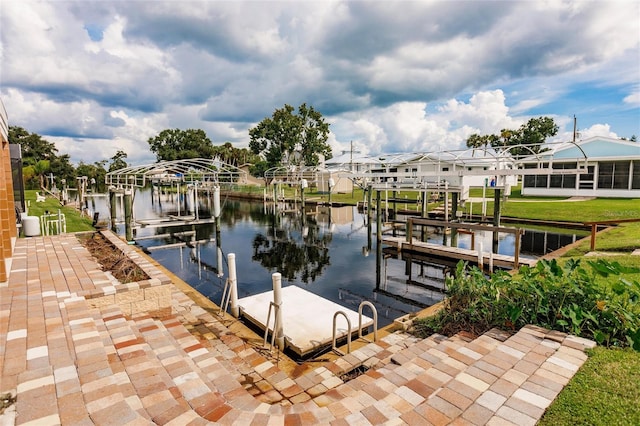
278 331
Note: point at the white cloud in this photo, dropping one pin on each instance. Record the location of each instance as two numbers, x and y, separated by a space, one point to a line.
391 77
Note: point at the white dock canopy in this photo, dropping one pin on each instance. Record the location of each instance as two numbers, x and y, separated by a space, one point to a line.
202 170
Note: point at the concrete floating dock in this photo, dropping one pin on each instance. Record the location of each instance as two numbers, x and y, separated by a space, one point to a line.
499 260
306 317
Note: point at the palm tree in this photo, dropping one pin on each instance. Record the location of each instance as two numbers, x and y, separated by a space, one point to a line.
40 169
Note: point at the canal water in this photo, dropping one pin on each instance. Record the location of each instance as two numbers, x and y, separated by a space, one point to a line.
331 252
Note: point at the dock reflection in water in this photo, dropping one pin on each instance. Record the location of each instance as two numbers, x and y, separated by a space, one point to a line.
327 251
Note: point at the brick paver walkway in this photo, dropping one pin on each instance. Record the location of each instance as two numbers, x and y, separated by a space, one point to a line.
71 362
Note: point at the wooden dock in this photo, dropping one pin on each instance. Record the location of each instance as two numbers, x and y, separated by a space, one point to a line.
471 256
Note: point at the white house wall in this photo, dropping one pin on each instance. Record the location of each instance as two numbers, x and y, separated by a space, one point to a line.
568 192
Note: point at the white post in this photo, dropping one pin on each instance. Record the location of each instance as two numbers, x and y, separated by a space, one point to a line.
220 267
195 199
276 277
216 201
480 256
233 284
446 201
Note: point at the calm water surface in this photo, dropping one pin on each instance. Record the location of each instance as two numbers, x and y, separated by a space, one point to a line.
330 252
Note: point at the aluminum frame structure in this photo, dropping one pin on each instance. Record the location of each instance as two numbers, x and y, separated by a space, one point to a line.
203 170
380 175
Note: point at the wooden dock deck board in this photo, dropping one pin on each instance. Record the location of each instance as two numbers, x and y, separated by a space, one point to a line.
499 260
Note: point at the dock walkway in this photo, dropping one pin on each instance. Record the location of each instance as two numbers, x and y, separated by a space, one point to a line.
457 253
69 360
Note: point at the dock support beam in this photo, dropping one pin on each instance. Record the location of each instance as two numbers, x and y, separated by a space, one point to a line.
496 217
369 202
128 209
378 218
113 209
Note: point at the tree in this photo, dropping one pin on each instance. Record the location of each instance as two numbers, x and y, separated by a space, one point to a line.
476 141
34 174
291 138
62 168
95 174
33 148
533 134
176 144
234 156
117 161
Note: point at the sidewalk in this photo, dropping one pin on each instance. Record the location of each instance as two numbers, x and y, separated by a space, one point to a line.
79 348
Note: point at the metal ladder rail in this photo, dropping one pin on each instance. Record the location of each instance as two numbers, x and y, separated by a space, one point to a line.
226 297
375 321
333 342
266 326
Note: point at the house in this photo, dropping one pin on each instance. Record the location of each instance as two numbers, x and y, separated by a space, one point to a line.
417 171
604 167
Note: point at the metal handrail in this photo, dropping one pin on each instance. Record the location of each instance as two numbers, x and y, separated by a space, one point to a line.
275 321
226 296
375 321
333 342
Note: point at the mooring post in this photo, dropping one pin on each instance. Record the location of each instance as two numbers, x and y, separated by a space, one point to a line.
496 217
496 207
394 194
424 206
233 284
216 202
276 278
128 208
113 210
303 185
516 252
480 257
378 218
369 202
195 200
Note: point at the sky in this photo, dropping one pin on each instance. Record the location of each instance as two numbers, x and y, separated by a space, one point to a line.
95 77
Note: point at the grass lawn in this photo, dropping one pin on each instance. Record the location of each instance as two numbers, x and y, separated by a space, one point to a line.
75 222
622 238
605 391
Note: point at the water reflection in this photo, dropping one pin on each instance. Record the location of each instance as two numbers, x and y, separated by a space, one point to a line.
299 251
325 250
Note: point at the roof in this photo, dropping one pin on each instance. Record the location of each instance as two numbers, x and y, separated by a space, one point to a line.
594 148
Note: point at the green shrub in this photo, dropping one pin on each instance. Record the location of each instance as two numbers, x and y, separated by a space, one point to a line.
564 297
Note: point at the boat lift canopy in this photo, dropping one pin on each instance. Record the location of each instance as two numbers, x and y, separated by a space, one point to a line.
205 171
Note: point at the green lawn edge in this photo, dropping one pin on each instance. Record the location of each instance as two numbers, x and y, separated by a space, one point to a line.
75 221
605 391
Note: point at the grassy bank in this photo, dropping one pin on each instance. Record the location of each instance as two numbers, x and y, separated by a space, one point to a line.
606 391
75 221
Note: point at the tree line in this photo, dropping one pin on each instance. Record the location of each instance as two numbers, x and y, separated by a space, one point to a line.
287 137
44 168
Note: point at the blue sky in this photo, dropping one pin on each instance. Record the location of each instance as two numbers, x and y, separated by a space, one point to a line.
95 77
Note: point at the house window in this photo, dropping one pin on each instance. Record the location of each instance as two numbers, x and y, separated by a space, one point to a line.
613 175
563 181
445 169
635 179
586 179
536 181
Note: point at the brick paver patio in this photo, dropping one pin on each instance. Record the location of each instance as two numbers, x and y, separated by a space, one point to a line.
70 356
